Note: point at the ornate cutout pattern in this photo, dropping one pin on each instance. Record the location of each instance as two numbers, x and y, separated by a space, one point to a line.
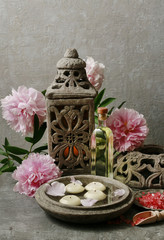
70 135
140 170
71 78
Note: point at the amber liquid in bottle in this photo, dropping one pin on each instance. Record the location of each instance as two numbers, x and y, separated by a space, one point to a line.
102 147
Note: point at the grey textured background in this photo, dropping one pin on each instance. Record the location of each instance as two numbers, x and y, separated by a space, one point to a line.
127 36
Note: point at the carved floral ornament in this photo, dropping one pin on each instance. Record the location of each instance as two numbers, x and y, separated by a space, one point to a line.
140 170
70 136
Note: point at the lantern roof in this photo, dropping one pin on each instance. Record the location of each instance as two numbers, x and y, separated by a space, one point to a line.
71 80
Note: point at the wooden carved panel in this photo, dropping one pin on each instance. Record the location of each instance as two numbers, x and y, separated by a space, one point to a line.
140 170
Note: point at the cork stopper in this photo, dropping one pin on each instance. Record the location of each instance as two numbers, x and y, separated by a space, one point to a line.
102 113
102 110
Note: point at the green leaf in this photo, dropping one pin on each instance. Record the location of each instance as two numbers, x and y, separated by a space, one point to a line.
11 163
4 161
106 102
29 139
6 141
9 169
16 150
36 126
16 158
121 104
96 119
2 152
39 149
44 92
110 111
40 133
99 98
4 167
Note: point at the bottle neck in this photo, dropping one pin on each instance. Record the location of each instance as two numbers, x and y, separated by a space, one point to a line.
102 120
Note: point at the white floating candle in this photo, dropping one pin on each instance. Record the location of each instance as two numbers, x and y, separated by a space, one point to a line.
95 186
71 200
74 188
95 194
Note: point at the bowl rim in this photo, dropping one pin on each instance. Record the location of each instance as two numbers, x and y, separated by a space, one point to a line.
106 181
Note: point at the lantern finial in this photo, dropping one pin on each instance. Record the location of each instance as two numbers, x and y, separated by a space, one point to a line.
71 60
71 53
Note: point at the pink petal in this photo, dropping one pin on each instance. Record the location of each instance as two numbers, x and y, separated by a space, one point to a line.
88 202
56 189
119 192
73 180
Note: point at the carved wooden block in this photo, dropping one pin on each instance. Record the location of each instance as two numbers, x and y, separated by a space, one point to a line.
70 115
141 169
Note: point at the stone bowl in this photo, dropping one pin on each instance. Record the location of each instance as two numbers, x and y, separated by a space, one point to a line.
102 211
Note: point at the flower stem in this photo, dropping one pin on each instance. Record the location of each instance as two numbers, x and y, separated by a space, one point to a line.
30 148
28 152
115 154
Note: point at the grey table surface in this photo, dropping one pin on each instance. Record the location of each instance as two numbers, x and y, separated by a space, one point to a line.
22 219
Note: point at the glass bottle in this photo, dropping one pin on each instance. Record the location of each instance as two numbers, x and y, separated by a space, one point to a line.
102 147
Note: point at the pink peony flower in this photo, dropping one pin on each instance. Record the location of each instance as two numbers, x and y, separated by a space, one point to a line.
129 129
95 72
33 172
19 109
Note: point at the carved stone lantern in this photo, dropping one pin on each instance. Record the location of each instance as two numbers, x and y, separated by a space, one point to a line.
70 115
